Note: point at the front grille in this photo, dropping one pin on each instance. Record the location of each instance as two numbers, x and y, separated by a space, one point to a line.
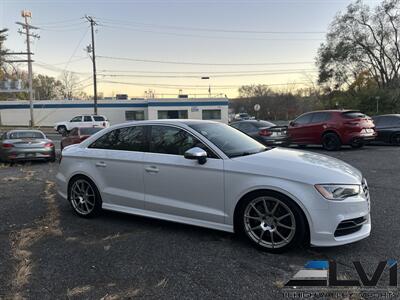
350 226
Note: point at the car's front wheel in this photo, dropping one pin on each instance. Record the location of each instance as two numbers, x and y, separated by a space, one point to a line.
62 129
331 141
84 197
271 222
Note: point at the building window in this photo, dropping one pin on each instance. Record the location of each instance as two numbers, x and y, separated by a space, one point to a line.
172 114
134 115
211 114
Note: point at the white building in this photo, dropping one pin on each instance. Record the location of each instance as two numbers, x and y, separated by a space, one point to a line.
46 113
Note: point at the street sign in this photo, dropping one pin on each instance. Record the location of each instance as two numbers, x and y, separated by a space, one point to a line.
257 107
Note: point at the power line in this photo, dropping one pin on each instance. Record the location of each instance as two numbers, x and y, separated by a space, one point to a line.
193 86
201 73
210 37
211 29
198 76
202 64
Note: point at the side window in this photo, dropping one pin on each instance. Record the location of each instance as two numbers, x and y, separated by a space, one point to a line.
171 140
87 119
247 127
3 136
76 119
98 118
128 139
304 119
320 117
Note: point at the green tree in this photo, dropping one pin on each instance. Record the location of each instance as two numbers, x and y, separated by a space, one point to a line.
47 88
362 39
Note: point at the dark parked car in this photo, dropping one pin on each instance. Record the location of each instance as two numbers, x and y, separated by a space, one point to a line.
388 128
77 135
332 129
18 145
263 131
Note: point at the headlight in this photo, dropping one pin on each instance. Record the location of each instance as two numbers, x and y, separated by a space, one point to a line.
338 191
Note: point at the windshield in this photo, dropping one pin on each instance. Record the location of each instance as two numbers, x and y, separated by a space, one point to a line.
229 140
26 135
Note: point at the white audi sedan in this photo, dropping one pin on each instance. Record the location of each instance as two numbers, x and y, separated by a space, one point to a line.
211 175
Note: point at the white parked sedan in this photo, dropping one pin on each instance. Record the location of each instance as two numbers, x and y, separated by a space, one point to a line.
209 174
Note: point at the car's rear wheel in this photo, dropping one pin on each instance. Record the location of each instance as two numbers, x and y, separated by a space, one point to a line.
62 129
271 222
395 139
84 197
331 141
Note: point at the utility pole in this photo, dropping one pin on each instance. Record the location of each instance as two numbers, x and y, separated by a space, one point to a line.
26 27
92 49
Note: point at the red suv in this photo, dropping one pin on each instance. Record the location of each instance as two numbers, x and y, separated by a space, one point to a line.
332 128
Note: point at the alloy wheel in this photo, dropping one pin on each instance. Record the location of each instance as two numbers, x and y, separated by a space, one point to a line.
269 222
83 197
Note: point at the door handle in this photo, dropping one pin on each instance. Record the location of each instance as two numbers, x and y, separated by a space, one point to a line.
151 169
101 164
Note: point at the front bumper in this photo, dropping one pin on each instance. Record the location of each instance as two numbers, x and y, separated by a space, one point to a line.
327 223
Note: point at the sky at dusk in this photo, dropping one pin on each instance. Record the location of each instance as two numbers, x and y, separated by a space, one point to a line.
169 45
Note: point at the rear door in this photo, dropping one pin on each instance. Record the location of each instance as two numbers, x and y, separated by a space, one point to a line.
87 121
178 186
298 129
386 126
118 165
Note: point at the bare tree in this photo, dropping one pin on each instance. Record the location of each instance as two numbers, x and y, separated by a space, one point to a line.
362 39
70 84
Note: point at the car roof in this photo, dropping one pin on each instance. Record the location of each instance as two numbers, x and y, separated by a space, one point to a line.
333 110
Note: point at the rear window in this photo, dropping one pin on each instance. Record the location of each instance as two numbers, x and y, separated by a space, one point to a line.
260 124
98 118
354 115
26 135
89 130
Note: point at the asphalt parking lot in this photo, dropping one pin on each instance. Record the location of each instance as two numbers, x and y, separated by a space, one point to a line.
47 252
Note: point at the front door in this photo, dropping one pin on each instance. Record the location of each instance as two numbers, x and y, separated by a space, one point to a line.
298 129
178 186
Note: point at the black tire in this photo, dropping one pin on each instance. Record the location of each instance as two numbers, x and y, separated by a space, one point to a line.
61 129
296 238
95 199
331 141
395 139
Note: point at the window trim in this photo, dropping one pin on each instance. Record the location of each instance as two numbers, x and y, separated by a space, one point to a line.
146 140
201 138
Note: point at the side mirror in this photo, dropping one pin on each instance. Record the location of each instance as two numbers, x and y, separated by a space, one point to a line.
196 153
292 123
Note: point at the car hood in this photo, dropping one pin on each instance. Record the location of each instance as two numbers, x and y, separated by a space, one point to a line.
301 166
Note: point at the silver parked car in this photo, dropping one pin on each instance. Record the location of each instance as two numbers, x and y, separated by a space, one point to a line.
18 145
